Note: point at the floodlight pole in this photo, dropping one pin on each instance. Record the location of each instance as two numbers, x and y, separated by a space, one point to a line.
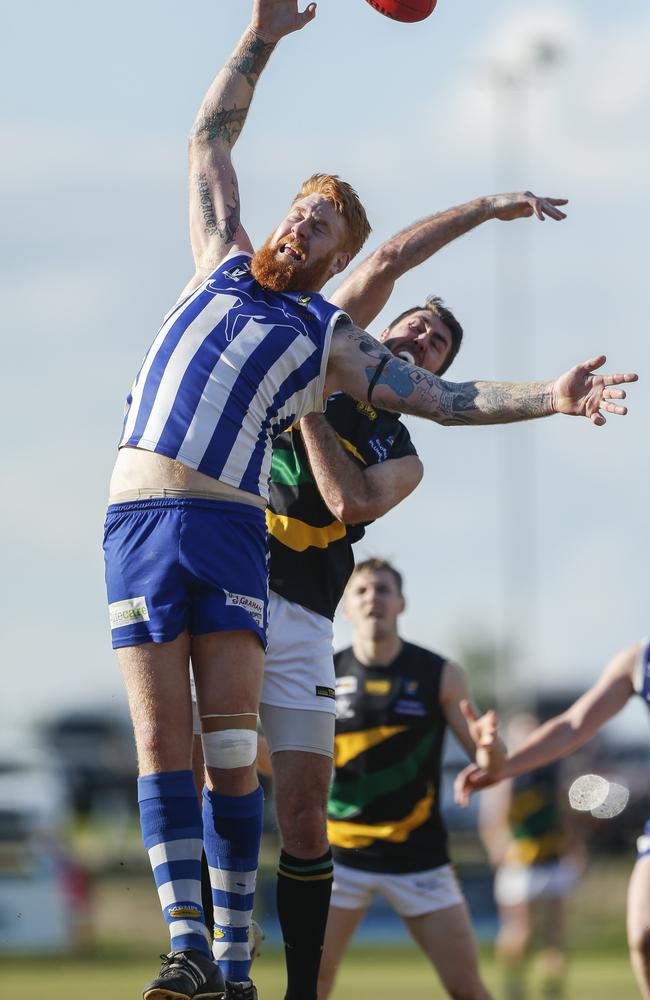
518 661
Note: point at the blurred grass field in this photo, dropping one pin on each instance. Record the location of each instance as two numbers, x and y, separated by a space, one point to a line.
128 936
375 974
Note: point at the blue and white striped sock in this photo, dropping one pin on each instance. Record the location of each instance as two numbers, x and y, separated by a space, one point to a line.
232 832
172 833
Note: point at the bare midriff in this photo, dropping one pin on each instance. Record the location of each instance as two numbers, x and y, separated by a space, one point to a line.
140 474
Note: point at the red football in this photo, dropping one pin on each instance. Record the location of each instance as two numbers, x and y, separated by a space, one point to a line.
404 10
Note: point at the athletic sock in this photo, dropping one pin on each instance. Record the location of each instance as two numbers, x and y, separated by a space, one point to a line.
172 833
232 832
303 893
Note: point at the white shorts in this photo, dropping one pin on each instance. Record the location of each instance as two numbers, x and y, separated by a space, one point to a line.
298 707
411 895
516 884
299 665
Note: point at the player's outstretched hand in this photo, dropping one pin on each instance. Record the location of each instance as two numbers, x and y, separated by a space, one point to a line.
471 779
273 19
523 204
484 731
580 393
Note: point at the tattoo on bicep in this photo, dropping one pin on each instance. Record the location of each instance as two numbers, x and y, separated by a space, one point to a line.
221 123
251 57
225 228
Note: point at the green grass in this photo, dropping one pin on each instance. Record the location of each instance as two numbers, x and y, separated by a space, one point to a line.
366 975
128 934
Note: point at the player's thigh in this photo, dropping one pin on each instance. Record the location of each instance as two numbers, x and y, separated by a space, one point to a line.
227 668
157 684
638 905
341 925
299 667
447 939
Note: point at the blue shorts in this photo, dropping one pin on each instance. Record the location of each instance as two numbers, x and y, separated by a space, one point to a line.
176 565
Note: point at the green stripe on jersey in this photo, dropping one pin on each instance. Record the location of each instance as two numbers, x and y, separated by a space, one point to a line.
287 468
350 798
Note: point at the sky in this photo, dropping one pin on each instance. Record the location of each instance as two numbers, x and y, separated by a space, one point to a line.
536 534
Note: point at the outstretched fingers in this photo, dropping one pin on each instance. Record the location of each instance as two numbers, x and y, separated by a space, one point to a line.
549 206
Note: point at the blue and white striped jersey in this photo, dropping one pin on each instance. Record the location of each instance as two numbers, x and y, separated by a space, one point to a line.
642 674
233 366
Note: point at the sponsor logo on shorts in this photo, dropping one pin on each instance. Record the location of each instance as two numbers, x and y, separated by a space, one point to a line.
128 612
325 692
253 605
187 911
346 685
378 687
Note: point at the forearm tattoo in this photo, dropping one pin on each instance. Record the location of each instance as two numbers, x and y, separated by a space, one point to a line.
226 228
419 392
455 403
251 57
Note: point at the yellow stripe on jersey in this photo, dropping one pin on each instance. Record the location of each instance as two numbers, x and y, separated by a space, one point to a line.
341 833
534 850
350 447
347 746
298 535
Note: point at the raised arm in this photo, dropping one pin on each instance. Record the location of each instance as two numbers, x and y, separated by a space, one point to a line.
358 364
215 227
368 288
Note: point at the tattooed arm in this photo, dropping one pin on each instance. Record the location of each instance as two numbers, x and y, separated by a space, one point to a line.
215 227
367 290
358 363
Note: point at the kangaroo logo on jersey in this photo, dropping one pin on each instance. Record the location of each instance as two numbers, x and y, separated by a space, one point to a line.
237 273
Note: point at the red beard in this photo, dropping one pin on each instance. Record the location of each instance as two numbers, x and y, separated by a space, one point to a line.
280 273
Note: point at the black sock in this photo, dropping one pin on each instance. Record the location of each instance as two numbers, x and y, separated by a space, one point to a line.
206 897
304 890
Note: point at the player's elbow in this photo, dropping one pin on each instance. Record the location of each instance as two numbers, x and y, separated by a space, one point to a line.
385 261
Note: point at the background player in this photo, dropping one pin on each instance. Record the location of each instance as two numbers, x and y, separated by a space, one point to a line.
628 673
394 701
244 353
526 834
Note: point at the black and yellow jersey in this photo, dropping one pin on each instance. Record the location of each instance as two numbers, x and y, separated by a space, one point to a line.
311 552
535 819
383 811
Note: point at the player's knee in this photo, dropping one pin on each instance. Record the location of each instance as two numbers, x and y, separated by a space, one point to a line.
229 757
304 828
512 943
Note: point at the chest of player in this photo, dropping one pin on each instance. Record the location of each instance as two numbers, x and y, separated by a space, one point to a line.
371 699
368 435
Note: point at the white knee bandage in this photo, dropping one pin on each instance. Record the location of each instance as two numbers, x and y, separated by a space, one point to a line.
230 748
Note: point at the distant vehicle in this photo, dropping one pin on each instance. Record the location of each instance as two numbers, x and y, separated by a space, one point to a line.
43 893
96 754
